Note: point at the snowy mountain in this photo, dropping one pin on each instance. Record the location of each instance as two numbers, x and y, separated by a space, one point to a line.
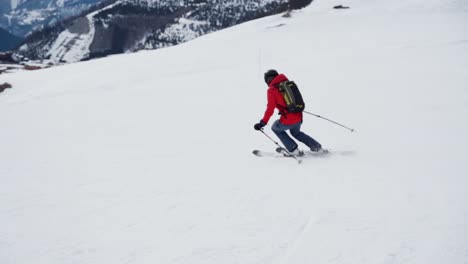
128 26
146 157
24 16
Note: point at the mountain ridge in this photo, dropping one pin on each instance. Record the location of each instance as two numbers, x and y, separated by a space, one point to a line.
128 26
23 17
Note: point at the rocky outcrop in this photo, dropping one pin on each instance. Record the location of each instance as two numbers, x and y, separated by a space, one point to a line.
4 86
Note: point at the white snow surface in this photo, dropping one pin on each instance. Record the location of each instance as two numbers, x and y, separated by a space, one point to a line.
146 157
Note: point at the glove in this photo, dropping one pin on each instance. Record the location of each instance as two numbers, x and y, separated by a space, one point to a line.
259 125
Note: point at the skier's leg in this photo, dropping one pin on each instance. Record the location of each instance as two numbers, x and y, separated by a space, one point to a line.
304 138
280 131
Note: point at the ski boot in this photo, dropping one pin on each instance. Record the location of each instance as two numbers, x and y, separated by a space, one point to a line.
296 152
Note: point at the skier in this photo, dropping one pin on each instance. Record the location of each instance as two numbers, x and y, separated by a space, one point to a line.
287 121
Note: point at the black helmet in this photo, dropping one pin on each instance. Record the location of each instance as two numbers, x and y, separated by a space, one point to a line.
270 75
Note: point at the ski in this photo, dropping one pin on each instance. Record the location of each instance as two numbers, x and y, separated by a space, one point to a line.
307 154
260 153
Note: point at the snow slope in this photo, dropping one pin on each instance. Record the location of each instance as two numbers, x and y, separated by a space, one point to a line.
145 158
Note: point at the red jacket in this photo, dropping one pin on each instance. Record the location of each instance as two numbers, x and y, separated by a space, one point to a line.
276 100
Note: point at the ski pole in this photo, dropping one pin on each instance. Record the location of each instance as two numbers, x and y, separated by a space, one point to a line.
277 144
350 129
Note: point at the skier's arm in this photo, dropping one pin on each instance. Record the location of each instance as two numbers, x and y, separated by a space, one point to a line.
270 106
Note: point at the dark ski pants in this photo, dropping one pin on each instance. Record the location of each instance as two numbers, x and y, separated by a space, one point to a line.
295 130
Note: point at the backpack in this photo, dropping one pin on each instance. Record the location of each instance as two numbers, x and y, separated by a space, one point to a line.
292 97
